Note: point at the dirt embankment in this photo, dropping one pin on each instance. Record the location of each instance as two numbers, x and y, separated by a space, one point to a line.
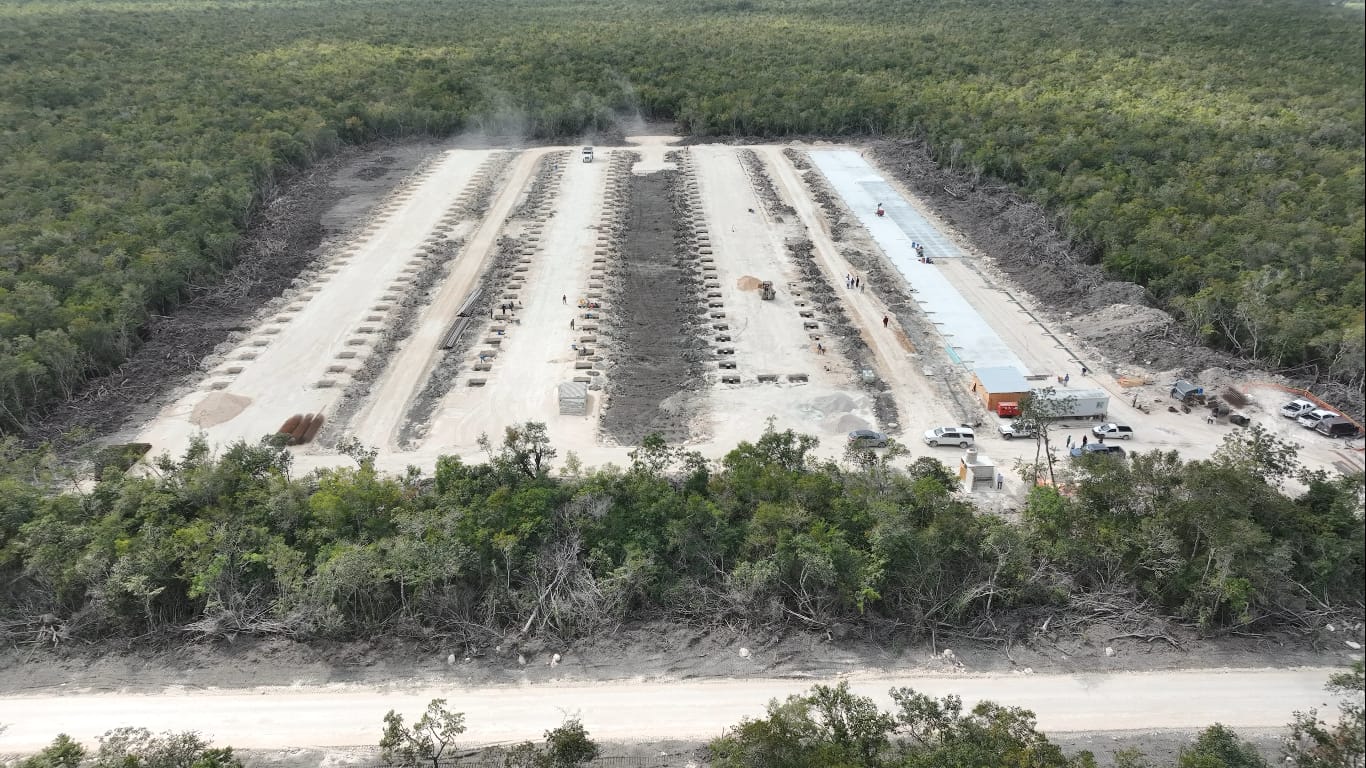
657 301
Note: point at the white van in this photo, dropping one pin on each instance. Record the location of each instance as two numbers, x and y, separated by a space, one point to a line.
588 154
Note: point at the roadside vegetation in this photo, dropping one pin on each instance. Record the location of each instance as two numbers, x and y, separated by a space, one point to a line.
134 748
827 727
835 728
519 546
1212 151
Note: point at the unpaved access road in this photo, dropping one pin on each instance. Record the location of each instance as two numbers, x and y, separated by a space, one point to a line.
267 718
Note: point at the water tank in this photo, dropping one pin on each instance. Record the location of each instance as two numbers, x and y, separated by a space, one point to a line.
970 456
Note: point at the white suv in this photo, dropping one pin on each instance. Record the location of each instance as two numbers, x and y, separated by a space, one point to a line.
959 436
1312 419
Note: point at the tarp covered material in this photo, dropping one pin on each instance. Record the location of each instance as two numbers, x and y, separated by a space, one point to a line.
573 398
1183 388
1002 378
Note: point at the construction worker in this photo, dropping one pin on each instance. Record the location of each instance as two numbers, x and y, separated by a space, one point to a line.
884 321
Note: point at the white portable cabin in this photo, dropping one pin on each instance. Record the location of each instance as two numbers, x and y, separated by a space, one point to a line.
1084 403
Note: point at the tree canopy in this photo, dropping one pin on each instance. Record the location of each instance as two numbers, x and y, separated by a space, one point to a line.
235 543
1212 151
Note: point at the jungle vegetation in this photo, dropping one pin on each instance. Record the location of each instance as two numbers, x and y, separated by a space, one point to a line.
1210 150
219 545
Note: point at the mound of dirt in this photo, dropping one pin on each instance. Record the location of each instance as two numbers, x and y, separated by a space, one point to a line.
1116 317
1145 335
832 405
1119 323
748 283
845 423
217 408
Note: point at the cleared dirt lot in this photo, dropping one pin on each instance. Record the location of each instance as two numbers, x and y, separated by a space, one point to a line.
655 253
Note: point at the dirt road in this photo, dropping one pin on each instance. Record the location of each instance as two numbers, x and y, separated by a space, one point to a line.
343 716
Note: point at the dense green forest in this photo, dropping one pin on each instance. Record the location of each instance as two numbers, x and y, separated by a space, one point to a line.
1211 150
768 536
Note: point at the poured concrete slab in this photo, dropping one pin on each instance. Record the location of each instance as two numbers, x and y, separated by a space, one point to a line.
968 336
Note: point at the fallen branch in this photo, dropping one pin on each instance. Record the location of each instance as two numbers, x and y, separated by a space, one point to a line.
1145 638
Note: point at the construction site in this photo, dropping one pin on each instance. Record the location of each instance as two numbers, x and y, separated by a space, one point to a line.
702 292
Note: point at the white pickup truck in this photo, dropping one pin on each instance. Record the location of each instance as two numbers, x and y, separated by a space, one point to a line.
1297 408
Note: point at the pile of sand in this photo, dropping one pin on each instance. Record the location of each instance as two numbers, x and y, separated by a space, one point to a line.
748 283
830 405
845 423
217 408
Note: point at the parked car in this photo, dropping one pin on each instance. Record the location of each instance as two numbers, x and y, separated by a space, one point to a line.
1013 429
1336 426
867 438
1121 431
1296 408
1312 419
959 436
1097 449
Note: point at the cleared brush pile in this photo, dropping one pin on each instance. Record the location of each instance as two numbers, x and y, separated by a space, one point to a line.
450 363
763 185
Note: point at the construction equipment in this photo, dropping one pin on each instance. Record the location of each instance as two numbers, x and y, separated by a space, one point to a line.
1188 392
766 291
